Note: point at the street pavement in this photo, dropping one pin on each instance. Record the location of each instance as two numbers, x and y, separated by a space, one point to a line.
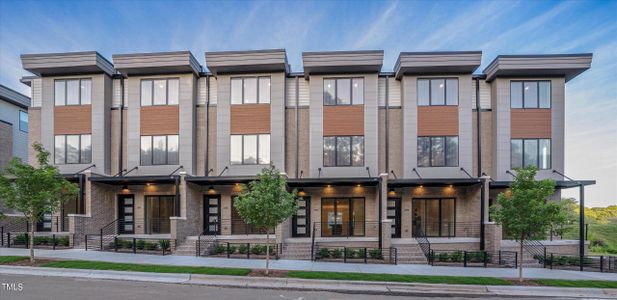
42 287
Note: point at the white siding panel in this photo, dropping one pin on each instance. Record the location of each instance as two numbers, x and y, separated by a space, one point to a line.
485 94
201 93
290 92
213 90
381 91
394 92
116 96
37 92
304 92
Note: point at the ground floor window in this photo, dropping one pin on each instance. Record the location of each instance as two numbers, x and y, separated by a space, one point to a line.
158 211
239 226
434 217
342 217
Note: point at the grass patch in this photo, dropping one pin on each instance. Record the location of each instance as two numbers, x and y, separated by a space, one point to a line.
578 283
10 259
96 265
397 278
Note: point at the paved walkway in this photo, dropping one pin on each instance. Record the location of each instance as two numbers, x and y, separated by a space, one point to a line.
305 265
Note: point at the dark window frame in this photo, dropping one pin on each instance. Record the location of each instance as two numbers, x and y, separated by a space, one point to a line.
336 162
256 91
66 89
550 89
152 150
351 93
550 144
445 151
256 151
79 158
350 206
440 200
20 122
445 91
152 91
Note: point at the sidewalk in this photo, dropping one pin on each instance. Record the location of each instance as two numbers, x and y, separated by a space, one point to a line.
350 287
304 265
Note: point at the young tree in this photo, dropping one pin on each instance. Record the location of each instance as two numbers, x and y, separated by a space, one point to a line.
35 191
524 212
266 203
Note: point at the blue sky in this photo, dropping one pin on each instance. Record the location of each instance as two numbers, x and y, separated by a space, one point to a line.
495 27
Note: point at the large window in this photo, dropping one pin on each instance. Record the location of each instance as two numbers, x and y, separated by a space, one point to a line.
23 121
159 150
250 149
343 217
73 149
165 91
530 152
438 91
343 91
437 151
530 94
434 217
343 151
72 92
250 90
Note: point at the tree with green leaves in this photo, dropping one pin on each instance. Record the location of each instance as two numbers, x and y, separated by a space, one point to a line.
524 212
265 203
35 191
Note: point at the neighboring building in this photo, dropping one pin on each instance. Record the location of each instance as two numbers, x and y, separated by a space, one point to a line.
381 160
13 125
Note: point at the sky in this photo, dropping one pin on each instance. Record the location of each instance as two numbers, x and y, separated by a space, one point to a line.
495 27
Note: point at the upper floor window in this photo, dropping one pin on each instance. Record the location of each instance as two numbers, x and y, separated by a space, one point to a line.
73 149
438 91
437 151
247 90
343 91
72 92
530 152
530 94
250 149
159 150
160 91
343 151
23 121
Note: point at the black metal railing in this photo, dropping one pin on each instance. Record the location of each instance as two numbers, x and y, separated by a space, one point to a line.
423 242
503 258
466 258
105 236
448 229
348 229
536 249
51 241
143 245
356 254
243 250
313 242
573 262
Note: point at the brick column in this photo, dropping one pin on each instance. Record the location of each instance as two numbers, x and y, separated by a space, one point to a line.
384 223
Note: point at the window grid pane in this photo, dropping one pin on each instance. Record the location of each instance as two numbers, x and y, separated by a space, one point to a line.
60 92
264 149
451 151
424 95
23 121
250 149
452 92
236 91
545 154
329 151
530 94
146 92
516 153
59 151
424 151
72 149
236 150
264 89
438 91
159 150
357 149
250 90
343 91
172 150
438 151
173 91
544 91
530 152
86 91
516 94
146 150
72 92
343 151
329 86
86 148
357 91
160 92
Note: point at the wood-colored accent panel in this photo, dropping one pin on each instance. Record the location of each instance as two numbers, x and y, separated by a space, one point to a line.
530 123
343 120
73 119
159 120
437 120
250 118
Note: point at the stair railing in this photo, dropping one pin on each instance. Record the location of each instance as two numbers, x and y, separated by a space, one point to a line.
424 243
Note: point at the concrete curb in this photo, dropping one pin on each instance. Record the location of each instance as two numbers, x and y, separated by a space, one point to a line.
340 286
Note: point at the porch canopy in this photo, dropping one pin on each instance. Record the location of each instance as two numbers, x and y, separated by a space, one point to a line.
433 182
559 184
134 180
342 181
219 180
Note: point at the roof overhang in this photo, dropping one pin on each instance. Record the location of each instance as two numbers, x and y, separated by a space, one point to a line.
559 184
249 61
320 182
69 63
433 182
219 180
428 63
133 180
157 63
544 65
14 97
341 62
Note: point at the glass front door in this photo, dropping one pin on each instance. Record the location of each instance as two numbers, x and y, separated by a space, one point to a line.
301 221
158 211
434 217
126 214
394 214
212 214
342 217
44 224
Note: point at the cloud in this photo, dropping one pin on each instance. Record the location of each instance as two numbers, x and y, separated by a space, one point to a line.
379 29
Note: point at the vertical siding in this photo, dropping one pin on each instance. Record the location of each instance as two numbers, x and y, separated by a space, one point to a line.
485 94
213 90
202 91
116 93
394 92
37 92
304 95
290 92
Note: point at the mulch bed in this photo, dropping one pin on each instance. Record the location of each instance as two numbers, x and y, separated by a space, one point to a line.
524 283
273 273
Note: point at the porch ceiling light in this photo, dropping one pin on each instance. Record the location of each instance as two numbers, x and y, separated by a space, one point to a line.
301 192
125 188
211 189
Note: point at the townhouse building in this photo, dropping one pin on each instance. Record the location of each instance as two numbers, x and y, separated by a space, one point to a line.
159 144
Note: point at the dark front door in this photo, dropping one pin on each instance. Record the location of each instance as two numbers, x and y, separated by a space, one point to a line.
126 214
394 214
212 214
44 224
301 221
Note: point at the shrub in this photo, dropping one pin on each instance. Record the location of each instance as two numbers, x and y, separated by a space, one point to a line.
165 244
443 256
140 244
151 246
218 249
336 253
231 249
598 243
375 253
258 249
20 239
350 253
456 256
41 240
127 244
243 249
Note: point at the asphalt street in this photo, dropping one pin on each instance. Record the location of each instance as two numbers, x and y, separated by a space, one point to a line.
41 287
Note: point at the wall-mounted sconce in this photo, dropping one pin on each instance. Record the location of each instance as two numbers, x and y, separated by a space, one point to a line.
211 190
301 193
125 188
391 192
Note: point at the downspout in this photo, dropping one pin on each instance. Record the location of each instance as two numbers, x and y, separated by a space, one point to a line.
207 124
120 162
380 206
479 159
387 165
177 196
82 209
297 125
